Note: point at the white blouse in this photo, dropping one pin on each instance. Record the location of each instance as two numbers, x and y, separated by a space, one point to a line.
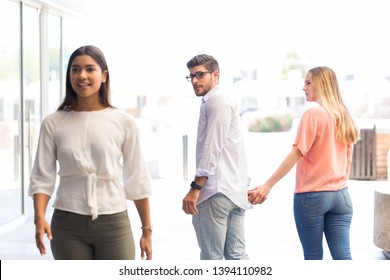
94 150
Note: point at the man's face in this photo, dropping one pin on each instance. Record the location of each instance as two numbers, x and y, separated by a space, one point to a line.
202 80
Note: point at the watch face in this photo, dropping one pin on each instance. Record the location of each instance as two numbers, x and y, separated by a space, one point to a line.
195 185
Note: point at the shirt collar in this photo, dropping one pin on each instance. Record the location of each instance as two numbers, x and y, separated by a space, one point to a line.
210 93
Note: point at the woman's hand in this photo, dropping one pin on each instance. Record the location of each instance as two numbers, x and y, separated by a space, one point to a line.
146 244
42 227
259 194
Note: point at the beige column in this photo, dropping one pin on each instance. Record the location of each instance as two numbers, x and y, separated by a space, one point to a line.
382 219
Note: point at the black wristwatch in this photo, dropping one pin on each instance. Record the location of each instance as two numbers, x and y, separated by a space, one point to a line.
194 185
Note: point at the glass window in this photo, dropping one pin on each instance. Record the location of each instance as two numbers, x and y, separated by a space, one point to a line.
55 94
32 88
10 114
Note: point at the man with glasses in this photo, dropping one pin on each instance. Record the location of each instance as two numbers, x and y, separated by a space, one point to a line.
217 198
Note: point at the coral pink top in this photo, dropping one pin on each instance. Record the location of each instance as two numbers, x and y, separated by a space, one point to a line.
323 166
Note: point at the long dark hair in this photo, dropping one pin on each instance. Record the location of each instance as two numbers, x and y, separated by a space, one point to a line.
104 91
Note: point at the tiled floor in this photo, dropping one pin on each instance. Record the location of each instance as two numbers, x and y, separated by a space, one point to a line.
270 228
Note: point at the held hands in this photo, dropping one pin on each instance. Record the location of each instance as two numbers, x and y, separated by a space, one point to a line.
259 194
41 228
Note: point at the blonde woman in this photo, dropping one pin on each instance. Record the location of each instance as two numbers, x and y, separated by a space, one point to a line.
323 152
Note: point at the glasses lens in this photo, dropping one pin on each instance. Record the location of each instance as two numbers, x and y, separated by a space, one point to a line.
199 75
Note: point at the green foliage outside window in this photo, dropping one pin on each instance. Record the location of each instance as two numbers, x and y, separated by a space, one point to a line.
272 123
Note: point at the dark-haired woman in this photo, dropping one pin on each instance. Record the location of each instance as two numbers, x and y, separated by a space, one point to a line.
101 166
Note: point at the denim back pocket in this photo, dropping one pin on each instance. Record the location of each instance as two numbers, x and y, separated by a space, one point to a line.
310 200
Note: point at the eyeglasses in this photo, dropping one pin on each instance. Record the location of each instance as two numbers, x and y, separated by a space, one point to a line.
199 75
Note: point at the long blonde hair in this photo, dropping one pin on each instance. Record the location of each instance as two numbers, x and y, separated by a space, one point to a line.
328 95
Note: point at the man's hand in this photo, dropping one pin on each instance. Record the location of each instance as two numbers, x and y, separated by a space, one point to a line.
189 202
259 194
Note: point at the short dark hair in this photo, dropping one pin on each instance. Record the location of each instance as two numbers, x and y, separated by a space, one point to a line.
208 61
104 92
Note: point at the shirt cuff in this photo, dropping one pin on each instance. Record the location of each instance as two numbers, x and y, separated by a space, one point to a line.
202 173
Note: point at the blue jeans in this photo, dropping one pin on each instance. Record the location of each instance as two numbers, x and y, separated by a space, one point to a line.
328 212
219 228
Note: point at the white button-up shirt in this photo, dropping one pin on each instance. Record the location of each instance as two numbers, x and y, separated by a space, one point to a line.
220 153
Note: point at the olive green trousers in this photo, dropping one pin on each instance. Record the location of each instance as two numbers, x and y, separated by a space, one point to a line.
78 237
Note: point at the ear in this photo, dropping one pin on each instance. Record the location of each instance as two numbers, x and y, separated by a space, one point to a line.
216 74
104 76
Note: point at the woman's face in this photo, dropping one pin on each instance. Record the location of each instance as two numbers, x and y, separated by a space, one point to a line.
309 90
86 77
